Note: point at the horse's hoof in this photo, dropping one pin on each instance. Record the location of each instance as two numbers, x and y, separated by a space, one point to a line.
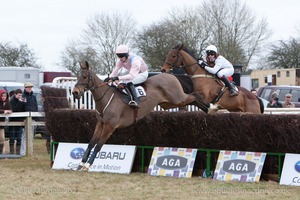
85 169
81 164
212 108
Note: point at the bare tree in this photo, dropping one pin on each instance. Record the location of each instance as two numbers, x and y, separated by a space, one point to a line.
285 54
99 41
17 55
181 26
235 30
154 42
74 53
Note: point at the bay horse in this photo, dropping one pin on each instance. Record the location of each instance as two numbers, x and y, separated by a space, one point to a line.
112 113
209 85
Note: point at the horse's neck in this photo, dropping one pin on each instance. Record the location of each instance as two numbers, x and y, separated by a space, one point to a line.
191 64
101 91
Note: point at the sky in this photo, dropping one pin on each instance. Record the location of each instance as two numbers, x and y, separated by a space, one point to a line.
47 25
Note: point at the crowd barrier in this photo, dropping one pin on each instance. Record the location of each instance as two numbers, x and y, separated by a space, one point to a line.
28 123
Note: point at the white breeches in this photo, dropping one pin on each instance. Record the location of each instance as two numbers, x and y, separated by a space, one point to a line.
225 72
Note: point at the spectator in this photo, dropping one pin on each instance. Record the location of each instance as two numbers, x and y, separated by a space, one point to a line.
28 96
288 102
254 91
274 103
11 93
5 108
31 106
18 105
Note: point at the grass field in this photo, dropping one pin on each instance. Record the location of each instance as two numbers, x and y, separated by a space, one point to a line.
33 178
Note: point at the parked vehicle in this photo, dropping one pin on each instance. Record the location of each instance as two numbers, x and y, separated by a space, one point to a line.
266 93
20 74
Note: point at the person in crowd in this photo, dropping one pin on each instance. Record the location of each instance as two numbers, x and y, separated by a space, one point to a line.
18 105
30 98
11 93
5 108
220 66
274 103
136 71
287 103
254 91
30 106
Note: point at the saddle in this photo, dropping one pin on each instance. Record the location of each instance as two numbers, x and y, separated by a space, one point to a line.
126 98
186 83
222 90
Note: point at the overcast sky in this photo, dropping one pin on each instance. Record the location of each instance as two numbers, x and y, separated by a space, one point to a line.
47 25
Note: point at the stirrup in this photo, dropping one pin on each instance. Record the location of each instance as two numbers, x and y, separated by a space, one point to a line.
133 104
233 93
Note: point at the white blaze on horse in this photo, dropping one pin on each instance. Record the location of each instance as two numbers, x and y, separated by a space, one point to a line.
209 85
112 112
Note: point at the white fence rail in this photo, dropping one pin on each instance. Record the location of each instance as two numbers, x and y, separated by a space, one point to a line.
28 123
87 101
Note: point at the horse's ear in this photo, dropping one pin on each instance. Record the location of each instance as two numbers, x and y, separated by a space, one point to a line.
81 65
180 47
84 65
87 65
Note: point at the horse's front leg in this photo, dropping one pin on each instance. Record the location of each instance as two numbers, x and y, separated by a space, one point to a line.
103 136
86 155
91 145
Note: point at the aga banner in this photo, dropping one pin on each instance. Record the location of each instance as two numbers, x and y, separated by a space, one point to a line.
176 162
240 166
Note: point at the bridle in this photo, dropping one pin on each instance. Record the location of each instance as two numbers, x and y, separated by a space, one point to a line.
91 86
183 66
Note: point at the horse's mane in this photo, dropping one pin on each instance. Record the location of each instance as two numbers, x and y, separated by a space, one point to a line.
190 52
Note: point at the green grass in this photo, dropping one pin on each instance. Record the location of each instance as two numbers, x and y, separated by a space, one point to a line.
33 178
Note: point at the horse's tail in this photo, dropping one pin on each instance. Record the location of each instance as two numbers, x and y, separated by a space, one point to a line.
261 105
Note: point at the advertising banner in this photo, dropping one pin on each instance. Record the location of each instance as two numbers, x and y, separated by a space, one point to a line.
176 162
111 158
291 170
239 166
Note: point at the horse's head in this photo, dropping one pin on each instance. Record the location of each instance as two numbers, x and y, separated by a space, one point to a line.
174 60
84 80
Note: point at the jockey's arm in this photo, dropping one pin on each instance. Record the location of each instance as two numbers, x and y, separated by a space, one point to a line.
134 70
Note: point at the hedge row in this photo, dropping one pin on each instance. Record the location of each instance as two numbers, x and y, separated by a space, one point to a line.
226 131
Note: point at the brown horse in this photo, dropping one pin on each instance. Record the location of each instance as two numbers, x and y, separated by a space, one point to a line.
209 85
163 89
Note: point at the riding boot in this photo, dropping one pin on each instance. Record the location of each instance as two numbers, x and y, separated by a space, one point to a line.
232 91
18 148
133 102
12 148
1 148
2 140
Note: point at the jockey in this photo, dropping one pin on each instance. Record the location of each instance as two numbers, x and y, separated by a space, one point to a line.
220 66
136 71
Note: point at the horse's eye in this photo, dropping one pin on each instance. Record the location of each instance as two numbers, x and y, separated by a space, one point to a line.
174 56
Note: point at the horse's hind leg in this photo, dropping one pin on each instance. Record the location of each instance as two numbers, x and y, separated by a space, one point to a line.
200 102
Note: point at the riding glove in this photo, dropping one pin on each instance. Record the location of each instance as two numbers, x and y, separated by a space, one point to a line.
114 78
203 64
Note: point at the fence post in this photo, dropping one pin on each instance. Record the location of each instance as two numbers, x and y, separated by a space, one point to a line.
29 135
